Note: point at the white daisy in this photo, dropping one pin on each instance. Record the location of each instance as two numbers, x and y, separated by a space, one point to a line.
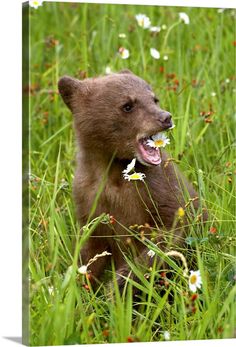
151 253
154 53
184 17
108 70
130 166
35 3
83 269
166 335
51 290
136 176
158 140
195 280
155 29
124 53
143 21
122 36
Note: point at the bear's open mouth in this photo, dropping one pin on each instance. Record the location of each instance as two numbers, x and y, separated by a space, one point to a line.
149 155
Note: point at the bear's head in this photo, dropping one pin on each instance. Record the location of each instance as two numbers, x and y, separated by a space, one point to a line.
115 115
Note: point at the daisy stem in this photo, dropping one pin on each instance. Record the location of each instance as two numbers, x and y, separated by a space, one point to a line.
167 35
140 38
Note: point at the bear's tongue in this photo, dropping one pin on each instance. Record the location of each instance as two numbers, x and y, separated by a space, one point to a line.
149 154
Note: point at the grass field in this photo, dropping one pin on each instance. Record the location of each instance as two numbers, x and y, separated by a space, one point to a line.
197 85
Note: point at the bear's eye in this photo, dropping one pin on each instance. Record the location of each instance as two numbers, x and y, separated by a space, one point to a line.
156 100
128 107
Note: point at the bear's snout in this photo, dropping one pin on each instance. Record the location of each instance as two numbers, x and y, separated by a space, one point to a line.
164 118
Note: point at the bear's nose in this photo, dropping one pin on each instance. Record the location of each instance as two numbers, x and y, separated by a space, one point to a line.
165 118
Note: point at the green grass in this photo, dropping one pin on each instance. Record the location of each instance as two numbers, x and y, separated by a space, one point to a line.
64 309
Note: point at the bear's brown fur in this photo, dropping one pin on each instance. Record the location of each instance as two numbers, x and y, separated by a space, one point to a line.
111 114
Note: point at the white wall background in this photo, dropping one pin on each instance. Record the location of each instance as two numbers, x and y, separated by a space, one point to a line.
10 166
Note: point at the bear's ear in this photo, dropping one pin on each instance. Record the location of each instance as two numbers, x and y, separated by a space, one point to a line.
68 87
126 71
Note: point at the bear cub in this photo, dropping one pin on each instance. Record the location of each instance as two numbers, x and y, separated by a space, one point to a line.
114 116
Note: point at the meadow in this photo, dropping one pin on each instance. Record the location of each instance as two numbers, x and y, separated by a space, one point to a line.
195 80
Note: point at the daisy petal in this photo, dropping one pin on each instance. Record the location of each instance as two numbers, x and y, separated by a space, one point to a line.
143 21
130 166
154 53
151 253
184 17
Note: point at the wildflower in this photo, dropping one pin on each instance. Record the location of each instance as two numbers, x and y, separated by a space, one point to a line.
122 36
195 280
165 57
194 297
130 167
154 53
184 17
227 80
161 69
51 290
112 219
151 253
155 29
105 333
83 270
158 140
136 176
181 212
170 76
108 70
213 94
208 120
143 21
213 230
124 53
130 339
164 26
166 335
35 3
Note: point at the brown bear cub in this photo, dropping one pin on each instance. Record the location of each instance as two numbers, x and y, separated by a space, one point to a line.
114 116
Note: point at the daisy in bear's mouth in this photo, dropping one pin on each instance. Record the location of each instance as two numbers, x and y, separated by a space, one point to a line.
149 148
158 140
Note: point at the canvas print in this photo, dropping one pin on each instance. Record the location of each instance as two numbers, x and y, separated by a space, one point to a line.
128 173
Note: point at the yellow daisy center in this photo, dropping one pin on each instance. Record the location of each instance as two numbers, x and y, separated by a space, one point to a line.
181 212
193 279
134 176
158 143
35 2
